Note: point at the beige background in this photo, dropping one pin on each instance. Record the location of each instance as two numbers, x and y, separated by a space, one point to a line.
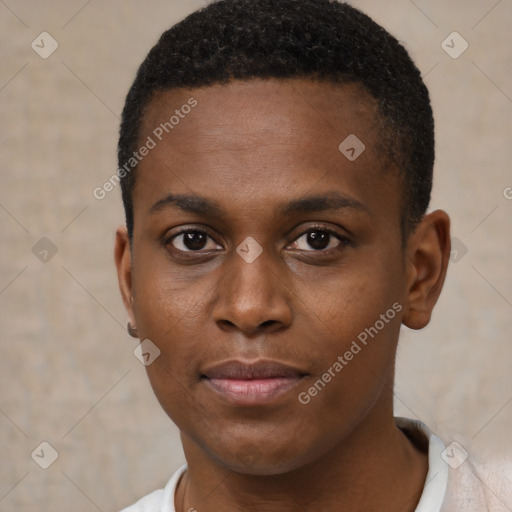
67 373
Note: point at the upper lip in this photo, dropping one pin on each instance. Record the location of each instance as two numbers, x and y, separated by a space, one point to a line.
261 369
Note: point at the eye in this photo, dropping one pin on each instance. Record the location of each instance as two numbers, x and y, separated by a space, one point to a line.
192 240
320 239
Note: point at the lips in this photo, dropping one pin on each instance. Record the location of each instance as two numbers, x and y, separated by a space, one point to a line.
263 369
251 383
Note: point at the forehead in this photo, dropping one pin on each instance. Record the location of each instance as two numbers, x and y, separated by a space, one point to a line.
261 140
291 108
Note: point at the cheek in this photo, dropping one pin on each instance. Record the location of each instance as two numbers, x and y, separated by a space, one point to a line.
171 321
353 324
168 312
164 302
353 369
349 301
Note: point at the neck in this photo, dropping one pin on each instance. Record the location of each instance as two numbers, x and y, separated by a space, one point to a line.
375 468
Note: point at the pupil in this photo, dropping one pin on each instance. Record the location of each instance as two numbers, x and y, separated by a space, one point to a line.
194 240
318 239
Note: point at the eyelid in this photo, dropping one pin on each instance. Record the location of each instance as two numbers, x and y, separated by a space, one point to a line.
167 239
344 240
319 227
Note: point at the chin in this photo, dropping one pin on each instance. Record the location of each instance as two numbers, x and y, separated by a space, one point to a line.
252 460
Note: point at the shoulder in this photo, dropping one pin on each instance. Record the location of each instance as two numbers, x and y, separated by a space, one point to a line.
149 503
161 500
472 487
455 481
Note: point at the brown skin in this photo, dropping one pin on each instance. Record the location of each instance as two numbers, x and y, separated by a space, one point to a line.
252 146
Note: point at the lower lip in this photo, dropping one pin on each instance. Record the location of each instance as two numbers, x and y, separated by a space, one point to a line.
254 391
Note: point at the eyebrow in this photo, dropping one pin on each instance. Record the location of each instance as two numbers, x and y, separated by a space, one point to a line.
199 205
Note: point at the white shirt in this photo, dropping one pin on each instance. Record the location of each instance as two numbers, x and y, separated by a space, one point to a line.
452 483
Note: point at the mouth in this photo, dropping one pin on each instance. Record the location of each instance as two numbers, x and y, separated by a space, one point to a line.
251 383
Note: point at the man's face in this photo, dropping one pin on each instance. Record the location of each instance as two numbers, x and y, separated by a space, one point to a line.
299 291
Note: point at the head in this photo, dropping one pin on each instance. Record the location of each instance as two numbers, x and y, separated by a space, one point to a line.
320 39
278 213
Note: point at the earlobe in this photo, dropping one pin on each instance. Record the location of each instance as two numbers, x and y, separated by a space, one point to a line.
428 253
123 260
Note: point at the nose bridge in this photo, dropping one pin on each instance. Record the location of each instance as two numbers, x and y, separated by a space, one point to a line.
250 292
251 272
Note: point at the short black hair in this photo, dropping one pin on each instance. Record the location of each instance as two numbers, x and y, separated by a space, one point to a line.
320 39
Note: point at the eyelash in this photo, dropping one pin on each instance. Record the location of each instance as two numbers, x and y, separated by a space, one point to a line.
344 241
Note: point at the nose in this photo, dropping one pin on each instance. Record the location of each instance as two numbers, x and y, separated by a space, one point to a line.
252 297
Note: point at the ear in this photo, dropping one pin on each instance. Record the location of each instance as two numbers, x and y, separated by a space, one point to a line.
428 253
123 259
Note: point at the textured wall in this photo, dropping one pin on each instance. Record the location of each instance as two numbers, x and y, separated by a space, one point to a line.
67 373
